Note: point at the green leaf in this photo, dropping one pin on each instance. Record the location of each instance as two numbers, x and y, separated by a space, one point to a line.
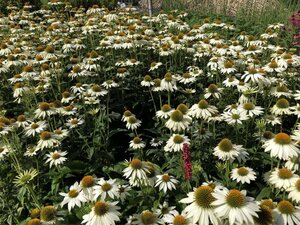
264 193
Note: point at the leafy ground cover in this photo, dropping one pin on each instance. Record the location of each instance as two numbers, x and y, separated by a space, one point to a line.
114 117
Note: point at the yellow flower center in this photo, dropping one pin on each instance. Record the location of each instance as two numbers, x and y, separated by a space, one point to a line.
252 71
268 203
235 116
132 119
203 196
186 75
286 207
225 145
73 193
21 118
178 139
34 126
74 121
265 216
136 164
56 155
297 185
45 135
273 64
87 181
282 88
228 65
166 178
235 199
136 140
148 217
179 220
44 106
35 213
101 208
282 103
147 78
282 138
252 48
177 116
28 69
49 49
48 213
203 104
34 221
287 56
106 187
242 171
212 88
168 77
285 173
182 108
166 108
127 113
66 94
248 106
268 135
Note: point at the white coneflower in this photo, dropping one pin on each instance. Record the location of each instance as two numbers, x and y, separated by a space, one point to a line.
168 83
213 91
226 150
273 120
227 68
250 109
231 81
106 188
177 219
136 143
126 115
281 91
166 182
67 97
253 75
164 210
47 140
74 197
155 66
235 206
133 123
22 121
243 174
286 213
176 142
35 128
155 142
294 191
283 178
136 170
202 110
177 121
123 192
74 122
235 117
186 78
110 84
25 177
147 81
44 110
102 213
147 218
87 183
96 90
164 112
56 158
200 208
281 147
273 67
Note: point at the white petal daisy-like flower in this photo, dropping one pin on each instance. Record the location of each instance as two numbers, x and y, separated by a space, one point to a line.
136 143
175 143
235 206
164 112
56 158
47 140
200 208
202 110
147 218
87 183
282 107
136 170
243 175
250 109
75 197
178 121
235 117
166 182
177 219
283 178
294 191
286 213
133 123
106 188
226 150
105 213
281 147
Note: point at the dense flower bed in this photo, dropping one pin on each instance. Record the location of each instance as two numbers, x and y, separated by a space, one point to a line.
113 117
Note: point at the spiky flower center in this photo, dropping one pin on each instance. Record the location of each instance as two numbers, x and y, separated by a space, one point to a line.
48 213
166 178
179 220
273 64
127 113
235 116
203 196
286 207
297 185
137 140
66 94
203 104
73 193
282 88
74 121
136 164
148 217
147 78
45 135
177 116
242 171
101 208
44 106
268 203
132 119
166 108
235 199
56 155
252 71
225 145
186 75
34 126
212 88
87 181
248 106
228 65
106 186
182 108
285 173
282 138
96 88
28 69
35 213
178 139
168 77
21 118
268 135
34 221
252 48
